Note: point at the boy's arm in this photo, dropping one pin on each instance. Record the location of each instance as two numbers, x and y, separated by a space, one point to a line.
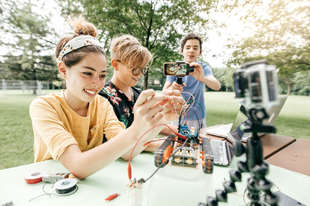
209 80
212 82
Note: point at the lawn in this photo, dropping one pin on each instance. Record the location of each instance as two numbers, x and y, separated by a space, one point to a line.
16 135
293 120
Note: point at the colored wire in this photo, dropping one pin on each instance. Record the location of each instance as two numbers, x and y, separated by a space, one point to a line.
244 195
129 170
185 109
166 160
171 100
201 109
49 194
160 139
198 120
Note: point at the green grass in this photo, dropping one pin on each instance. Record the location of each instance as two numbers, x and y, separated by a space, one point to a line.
292 121
16 135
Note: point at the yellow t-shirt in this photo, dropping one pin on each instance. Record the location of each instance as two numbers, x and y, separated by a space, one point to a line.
56 126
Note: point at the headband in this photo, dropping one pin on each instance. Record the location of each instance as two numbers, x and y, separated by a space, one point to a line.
78 42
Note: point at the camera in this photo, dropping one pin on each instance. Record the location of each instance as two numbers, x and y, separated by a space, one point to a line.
256 85
177 69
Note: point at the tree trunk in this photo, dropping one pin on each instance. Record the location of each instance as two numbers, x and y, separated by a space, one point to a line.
146 81
35 87
288 89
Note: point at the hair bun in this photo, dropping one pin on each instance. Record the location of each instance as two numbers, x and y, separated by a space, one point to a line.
83 27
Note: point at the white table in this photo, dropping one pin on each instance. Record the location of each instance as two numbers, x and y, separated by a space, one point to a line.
112 179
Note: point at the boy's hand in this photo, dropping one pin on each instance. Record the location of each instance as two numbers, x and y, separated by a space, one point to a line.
198 73
176 86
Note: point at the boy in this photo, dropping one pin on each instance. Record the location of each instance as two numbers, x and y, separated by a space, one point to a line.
195 82
130 61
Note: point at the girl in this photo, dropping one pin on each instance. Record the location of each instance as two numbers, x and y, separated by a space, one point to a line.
69 126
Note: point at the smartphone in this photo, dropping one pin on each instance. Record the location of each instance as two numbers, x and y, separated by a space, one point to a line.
177 69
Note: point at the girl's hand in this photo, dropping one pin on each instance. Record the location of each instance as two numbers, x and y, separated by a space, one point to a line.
148 110
172 106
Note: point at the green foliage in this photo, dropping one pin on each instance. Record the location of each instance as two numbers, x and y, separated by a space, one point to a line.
224 76
30 45
301 83
158 25
280 34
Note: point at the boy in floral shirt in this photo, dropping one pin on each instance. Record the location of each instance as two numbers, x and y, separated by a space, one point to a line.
130 61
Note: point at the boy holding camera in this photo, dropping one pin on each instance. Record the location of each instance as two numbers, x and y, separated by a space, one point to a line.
194 83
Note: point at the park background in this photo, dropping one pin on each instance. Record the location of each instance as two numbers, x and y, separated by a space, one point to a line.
234 32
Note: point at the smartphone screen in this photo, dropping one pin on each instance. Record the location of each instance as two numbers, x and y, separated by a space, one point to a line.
174 69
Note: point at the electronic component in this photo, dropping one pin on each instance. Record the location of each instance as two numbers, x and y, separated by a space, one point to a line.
112 197
207 156
34 177
191 134
164 151
8 204
134 194
53 178
186 156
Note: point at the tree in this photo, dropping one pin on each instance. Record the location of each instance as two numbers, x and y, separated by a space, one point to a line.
157 24
29 49
301 83
280 34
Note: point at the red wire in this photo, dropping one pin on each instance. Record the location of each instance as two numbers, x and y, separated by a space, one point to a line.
129 165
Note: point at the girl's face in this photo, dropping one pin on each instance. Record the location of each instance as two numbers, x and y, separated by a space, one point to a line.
85 79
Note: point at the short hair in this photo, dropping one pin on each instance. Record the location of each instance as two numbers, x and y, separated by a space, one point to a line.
81 27
191 36
130 51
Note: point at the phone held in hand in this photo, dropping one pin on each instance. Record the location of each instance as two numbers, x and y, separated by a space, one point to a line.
177 69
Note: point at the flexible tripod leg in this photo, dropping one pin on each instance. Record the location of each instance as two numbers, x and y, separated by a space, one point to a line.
255 165
258 169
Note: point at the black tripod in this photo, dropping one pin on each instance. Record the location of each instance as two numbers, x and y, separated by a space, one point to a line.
254 164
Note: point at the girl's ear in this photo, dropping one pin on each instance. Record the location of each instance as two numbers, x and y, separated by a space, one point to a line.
114 64
62 69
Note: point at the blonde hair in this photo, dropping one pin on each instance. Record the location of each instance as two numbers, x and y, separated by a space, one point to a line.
81 27
129 51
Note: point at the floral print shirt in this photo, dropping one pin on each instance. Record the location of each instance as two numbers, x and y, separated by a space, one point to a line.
123 107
